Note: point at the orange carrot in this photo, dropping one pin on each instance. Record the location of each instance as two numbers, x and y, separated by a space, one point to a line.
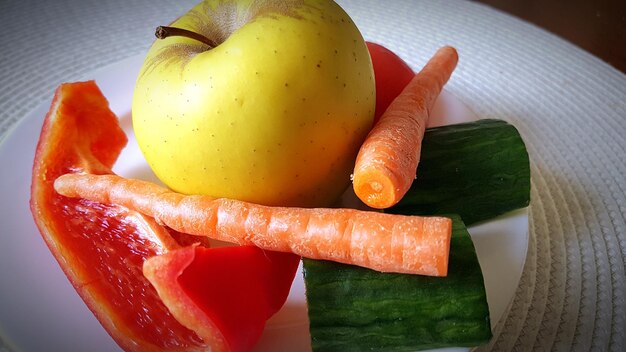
383 242
387 161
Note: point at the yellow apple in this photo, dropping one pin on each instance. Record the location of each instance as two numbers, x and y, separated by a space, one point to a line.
272 110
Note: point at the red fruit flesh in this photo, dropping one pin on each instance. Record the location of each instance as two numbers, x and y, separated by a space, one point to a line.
227 292
101 248
198 298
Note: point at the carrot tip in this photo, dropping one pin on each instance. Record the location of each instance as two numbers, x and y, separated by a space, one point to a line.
376 190
387 160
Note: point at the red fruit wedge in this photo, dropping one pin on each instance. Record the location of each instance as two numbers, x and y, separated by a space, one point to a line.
391 74
193 279
102 248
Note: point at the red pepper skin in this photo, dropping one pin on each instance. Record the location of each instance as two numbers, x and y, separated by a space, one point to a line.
391 74
102 248
225 294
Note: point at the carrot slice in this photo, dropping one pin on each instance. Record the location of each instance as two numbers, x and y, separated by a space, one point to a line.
384 242
387 161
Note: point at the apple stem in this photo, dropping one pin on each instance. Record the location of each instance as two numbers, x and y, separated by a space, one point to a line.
163 32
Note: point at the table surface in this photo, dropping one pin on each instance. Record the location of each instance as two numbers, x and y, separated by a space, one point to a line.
598 27
568 104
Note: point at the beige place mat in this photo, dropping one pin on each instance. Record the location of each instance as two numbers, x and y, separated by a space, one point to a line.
568 105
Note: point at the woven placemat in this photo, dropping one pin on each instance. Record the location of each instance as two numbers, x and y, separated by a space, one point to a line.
568 105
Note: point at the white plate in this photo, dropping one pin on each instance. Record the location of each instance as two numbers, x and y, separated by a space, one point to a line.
39 309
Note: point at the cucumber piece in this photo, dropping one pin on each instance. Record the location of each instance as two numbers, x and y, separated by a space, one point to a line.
357 309
478 170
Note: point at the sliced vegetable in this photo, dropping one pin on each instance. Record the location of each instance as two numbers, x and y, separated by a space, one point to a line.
357 309
224 294
383 242
478 170
387 160
102 248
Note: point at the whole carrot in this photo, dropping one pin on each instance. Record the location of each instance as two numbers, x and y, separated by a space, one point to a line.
387 161
383 242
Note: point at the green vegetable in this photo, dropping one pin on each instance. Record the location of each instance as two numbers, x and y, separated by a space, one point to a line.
357 309
478 170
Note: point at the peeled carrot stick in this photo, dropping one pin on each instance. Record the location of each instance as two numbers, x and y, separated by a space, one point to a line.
387 161
383 242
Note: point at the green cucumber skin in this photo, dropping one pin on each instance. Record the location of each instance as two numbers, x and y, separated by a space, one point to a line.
478 170
357 309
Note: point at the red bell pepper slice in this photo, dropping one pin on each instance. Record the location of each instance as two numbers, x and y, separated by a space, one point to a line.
102 248
217 291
